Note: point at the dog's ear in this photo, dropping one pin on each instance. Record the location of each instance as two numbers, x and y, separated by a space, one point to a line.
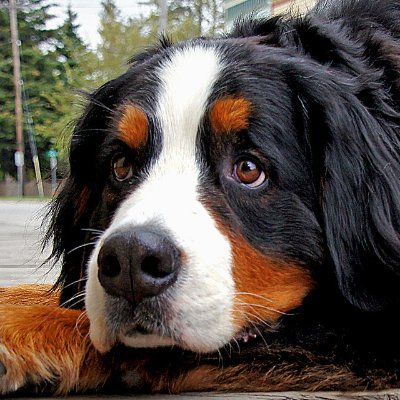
72 209
354 139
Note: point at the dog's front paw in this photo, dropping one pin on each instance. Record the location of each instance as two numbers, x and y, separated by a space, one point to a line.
12 373
47 349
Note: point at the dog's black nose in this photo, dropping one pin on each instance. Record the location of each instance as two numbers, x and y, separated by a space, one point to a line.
137 263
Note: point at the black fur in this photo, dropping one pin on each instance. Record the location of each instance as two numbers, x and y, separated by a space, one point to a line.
327 92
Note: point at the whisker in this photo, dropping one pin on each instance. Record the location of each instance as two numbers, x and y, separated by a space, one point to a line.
261 335
93 230
220 359
229 344
258 318
69 302
99 104
94 130
255 328
74 304
254 295
82 245
80 320
75 282
237 344
264 307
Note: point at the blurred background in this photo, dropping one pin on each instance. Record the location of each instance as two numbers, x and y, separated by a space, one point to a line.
52 50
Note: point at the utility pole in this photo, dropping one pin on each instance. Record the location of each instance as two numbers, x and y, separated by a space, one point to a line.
20 148
163 20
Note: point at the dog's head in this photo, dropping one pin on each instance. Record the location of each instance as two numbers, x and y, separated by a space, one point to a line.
218 176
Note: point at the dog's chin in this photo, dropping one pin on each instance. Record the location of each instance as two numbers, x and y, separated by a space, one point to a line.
137 339
145 340
142 338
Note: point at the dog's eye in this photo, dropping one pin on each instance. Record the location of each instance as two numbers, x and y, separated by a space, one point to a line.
249 173
122 168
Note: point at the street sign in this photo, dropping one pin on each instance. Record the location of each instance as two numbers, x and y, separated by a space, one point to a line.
19 159
53 163
51 153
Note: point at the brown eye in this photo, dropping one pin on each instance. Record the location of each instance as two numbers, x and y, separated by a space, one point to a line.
249 173
122 168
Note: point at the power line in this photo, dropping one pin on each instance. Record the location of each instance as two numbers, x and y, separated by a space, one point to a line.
19 135
19 105
31 135
163 19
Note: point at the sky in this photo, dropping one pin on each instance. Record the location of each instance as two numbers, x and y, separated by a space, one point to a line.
88 15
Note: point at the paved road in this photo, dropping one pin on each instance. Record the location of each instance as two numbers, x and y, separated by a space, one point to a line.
20 234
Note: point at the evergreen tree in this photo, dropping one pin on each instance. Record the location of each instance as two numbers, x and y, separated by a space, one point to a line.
54 62
119 40
7 121
39 65
111 50
78 69
190 18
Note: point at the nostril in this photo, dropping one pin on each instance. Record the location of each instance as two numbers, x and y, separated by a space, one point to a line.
137 263
110 266
153 266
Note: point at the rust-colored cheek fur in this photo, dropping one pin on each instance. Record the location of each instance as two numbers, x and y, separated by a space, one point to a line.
265 287
133 126
230 115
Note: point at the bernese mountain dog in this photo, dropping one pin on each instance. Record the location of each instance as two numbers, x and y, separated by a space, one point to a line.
231 220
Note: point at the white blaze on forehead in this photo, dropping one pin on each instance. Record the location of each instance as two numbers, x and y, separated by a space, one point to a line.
202 299
187 82
186 79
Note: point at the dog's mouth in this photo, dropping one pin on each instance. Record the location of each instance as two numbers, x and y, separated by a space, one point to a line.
145 338
142 325
153 324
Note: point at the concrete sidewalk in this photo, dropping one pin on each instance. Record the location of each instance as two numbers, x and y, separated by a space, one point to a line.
20 236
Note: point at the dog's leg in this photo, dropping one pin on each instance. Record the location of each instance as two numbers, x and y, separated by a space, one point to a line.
45 346
29 295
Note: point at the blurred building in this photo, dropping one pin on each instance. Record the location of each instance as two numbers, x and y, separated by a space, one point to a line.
236 8
297 6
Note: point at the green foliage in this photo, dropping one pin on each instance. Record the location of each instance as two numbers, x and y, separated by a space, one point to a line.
190 18
55 63
119 40
78 69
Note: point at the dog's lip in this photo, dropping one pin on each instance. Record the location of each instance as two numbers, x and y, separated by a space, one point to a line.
145 327
138 329
145 338
245 335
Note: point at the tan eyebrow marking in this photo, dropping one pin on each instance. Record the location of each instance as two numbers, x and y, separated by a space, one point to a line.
133 126
230 114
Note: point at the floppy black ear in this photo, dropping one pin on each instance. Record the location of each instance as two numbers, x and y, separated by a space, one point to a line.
72 210
361 202
354 135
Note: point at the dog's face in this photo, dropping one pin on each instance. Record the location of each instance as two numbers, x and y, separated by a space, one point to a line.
210 227
202 169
